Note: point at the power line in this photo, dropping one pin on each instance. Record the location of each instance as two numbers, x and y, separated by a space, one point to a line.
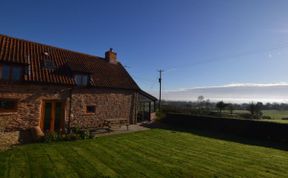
205 61
231 57
216 59
149 83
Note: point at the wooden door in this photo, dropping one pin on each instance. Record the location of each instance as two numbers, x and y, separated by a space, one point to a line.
52 116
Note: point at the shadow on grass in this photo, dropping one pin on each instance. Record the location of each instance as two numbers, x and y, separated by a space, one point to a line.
219 135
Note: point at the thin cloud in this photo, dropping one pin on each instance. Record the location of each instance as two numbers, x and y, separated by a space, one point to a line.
235 92
234 85
257 84
283 30
270 55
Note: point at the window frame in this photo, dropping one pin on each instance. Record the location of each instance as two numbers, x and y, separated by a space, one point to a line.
94 108
11 68
14 109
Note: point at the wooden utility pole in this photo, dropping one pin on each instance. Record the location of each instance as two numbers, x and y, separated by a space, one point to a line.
160 88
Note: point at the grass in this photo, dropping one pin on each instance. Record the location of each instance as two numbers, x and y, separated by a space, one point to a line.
152 153
276 114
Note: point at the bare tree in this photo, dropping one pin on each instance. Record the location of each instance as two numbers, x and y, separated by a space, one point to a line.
230 107
200 99
255 110
221 106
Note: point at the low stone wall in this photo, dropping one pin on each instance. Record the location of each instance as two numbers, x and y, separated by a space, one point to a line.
8 139
7 120
153 116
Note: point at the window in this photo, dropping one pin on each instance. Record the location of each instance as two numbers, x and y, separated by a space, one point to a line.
11 72
90 109
81 80
48 64
8 105
17 73
5 72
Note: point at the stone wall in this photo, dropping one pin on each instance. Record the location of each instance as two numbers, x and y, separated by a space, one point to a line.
110 104
9 139
29 98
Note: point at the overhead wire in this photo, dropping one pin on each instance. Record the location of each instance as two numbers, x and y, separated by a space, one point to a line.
229 57
213 59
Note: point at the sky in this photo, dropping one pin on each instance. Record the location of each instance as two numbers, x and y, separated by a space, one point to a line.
200 44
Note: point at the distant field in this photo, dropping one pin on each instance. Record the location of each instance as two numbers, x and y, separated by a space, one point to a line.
152 153
276 115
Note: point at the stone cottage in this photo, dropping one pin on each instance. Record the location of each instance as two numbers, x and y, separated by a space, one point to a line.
58 89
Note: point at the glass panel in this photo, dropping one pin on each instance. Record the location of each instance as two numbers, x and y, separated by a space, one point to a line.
81 80
58 116
16 73
84 79
152 107
146 107
78 79
47 116
5 72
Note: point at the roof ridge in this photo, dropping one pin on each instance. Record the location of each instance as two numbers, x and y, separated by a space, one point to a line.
51 46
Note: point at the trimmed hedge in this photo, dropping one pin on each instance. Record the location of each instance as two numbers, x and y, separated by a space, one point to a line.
241 127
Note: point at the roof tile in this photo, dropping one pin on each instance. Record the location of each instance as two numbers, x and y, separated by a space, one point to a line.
103 73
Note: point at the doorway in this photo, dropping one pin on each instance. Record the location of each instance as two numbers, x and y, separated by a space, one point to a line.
52 116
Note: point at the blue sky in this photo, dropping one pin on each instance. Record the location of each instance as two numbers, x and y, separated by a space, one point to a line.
199 43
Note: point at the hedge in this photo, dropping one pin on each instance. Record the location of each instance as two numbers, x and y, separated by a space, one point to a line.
242 127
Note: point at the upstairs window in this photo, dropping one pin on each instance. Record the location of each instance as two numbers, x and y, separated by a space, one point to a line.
8 105
81 79
48 64
11 72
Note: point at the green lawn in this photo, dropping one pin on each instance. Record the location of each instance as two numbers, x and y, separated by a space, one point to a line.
152 153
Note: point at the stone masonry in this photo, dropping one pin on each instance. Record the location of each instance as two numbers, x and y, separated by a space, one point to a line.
110 105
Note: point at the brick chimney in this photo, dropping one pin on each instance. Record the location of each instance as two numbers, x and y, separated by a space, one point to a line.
111 56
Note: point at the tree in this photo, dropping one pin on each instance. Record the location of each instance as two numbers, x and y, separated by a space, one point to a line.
230 108
200 103
207 105
200 99
221 106
255 110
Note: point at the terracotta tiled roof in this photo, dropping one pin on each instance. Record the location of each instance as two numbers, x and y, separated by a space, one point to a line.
31 54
